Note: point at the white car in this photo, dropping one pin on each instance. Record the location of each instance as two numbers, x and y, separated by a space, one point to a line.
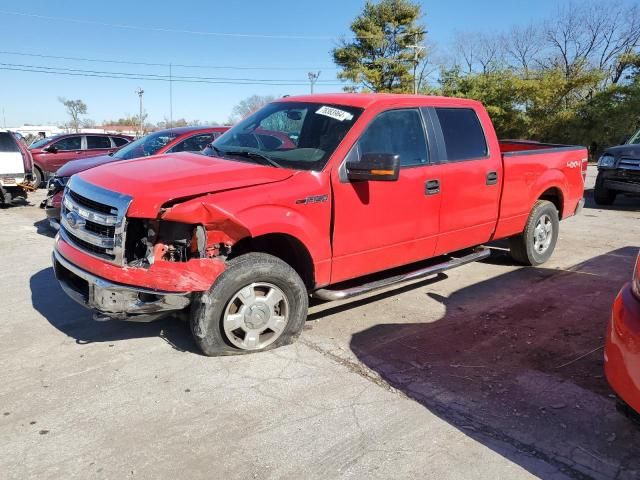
15 165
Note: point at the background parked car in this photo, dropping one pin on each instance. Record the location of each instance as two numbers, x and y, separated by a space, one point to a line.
182 139
51 153
622 348
15 167
618 172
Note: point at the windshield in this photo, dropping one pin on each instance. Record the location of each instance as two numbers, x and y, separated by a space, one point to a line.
296 135
145 146
635 140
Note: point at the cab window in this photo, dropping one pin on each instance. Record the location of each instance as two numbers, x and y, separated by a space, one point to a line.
463 135
398 132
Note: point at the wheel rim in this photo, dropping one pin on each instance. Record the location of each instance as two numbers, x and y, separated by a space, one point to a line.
256 316
543 234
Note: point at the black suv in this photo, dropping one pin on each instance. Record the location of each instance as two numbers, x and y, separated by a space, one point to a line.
618 171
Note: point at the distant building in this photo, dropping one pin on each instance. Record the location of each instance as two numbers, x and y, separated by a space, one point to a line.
34 130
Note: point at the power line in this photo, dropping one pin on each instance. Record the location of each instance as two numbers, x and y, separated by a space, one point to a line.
152 64
52 71
154 76
195 32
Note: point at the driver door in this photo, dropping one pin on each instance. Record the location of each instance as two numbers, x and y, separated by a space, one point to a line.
384 224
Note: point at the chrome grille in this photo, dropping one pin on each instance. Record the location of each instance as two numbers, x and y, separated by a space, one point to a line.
629 163
93 220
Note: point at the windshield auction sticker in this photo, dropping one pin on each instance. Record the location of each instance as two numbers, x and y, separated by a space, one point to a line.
334 113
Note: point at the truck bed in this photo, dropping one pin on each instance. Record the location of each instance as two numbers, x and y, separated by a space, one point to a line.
530 170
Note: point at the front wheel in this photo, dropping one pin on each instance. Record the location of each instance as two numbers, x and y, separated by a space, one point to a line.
258 303
536 243
603 195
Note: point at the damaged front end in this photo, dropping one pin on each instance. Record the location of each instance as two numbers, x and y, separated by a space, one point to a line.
139 269
183 232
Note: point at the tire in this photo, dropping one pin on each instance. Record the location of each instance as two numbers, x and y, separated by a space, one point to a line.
38 177
532 247
233 317
602 195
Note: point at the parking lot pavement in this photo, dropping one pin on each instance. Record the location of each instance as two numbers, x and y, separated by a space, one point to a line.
482 375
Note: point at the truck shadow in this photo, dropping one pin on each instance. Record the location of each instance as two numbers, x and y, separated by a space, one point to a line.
623 202
76 322
43 228
516 364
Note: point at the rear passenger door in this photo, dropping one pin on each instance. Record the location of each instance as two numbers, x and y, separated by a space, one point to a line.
97 145
469 177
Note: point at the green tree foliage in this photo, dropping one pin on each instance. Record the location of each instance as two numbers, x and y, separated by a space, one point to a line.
572 78
379 57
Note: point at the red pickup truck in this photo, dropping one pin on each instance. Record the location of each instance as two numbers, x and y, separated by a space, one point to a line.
237 237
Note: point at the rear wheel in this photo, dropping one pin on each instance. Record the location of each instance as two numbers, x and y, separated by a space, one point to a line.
536 243
38 177
258 303
602 195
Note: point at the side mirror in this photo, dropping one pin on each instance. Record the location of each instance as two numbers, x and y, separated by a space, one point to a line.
375 166
51 149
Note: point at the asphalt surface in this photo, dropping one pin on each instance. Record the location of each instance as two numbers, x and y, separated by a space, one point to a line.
494 372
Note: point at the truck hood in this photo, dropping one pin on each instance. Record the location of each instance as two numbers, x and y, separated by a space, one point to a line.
77 166
156 180
632 151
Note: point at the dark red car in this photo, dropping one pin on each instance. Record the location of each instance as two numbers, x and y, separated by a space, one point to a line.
182 139
622 347
49 154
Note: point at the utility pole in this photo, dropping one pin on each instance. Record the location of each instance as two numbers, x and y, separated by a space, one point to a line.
140 92
416 60
313 78
170 96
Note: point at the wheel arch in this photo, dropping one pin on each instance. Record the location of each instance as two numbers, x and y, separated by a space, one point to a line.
284 246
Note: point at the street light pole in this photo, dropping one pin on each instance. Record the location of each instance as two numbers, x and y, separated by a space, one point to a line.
313 78
140 92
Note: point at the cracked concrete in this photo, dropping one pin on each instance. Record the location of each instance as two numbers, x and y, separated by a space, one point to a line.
457 379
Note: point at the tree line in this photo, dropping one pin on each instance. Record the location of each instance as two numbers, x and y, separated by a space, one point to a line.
572 78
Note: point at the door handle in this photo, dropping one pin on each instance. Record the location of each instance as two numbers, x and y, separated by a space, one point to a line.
492 178
432 187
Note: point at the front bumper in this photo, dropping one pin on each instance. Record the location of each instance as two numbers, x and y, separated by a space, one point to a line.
622 186
112 300
622 348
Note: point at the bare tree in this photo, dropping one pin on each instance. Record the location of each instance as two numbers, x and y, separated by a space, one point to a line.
75 108
598 34
475 51
522 46
249 105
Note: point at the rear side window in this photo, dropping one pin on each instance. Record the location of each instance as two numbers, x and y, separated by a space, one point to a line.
8 143
463 135
69 143
97 142
398 132
119 141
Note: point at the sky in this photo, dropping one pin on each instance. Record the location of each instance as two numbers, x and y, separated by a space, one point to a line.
183 33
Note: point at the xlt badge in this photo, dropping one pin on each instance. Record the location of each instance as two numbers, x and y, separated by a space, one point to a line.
312 199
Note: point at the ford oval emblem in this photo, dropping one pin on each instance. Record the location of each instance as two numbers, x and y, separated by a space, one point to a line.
74 220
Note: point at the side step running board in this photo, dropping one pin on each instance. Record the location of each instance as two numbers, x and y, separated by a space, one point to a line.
332 295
